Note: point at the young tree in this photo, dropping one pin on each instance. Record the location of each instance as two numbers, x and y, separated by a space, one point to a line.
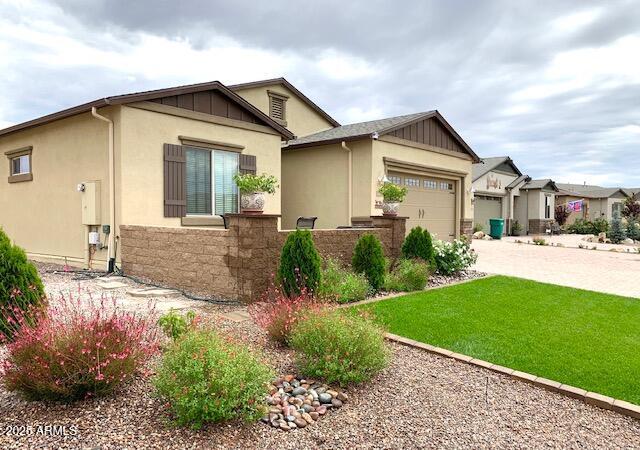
562 214
631 207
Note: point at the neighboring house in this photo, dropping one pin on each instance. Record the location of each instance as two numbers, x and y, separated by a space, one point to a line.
591 202
534 208
285 104
495 187
335 174
161 158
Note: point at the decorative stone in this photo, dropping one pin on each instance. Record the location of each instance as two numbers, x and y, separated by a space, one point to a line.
308 408
332 393
325 397
342 397
283 425
300 423
314 415
299 391
336 403
308 418
322 410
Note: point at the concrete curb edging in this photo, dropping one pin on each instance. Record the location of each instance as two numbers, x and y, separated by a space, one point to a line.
591 398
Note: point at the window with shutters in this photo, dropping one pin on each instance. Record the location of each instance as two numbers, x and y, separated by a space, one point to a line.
278 107
209 182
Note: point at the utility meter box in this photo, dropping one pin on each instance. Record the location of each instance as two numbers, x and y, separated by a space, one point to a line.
91 203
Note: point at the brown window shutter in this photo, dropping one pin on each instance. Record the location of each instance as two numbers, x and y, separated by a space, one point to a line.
248 164
175 181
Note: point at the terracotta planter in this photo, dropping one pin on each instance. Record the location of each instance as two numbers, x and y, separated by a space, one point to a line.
390 208
252 203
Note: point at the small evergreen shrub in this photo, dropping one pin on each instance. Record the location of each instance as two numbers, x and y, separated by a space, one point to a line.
79 347
633 230
300 265
600 225
453 257
368 259
175 325
20 287
341 285
408 275
277 313
206 377
418 244
617 233
339 348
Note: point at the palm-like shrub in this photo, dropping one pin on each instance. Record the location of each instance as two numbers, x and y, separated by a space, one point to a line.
368 259
206 377
20 285
300 265
418 244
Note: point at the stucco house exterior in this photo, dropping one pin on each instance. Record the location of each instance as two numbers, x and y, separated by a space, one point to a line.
160 158
591 202
535 207
337 172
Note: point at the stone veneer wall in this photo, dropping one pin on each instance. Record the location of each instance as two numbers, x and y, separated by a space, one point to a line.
539 226
237 263
466 227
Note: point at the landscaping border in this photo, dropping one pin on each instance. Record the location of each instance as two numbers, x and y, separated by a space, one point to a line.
591 398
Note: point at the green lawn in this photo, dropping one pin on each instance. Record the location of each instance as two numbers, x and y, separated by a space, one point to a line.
582 338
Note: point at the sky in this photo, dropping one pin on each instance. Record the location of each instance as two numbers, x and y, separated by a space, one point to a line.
553 84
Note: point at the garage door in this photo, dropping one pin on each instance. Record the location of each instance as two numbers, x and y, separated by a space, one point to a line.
486 208
430 203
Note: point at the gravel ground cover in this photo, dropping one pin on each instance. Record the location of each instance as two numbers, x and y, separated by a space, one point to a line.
420 401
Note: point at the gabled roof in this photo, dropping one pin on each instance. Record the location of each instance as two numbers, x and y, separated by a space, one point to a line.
373 129
589 191
517 181
151 95
540 184
292 88
486 165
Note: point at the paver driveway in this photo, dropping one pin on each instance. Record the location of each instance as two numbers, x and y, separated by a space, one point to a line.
614 273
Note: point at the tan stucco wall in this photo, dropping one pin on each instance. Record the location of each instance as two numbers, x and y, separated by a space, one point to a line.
382 149
482 187
573 215
44 215
141 166
301 118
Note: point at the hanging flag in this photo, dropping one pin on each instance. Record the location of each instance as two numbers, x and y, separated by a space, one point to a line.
575 205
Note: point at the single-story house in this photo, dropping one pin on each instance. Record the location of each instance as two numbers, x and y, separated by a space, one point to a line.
161 158
591 202
535 207
336 173
166 158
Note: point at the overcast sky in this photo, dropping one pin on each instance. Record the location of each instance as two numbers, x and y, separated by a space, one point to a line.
554 84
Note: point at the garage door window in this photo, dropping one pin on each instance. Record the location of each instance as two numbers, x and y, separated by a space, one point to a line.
430 184
446 186
395 180
413 182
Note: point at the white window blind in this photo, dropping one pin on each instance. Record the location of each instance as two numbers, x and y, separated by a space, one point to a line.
198 181
225 166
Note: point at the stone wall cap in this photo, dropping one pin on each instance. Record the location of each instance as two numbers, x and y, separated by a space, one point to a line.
390 217
253 216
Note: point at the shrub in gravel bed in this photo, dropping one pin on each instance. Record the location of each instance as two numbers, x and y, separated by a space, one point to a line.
20 287
276 313
300 264
408 275
206 377
452 257
368 259
341 285
175 325
339 347
79 347
418 244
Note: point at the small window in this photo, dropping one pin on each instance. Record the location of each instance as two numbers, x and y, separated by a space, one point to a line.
395 179
547 207
20 165
210 186
430 184
413 182
278 107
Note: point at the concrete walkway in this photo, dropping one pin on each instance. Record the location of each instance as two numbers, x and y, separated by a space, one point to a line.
610 272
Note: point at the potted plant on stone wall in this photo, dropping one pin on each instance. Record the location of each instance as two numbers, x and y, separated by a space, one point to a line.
252 189
392 196
516 229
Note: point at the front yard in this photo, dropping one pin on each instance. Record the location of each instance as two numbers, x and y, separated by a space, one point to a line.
577 337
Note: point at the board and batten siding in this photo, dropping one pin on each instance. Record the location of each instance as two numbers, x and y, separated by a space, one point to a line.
429 132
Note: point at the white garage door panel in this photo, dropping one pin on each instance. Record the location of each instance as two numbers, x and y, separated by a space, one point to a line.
430 203
486 208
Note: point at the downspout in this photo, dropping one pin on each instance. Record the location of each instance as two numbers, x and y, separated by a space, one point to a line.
350 182
112 193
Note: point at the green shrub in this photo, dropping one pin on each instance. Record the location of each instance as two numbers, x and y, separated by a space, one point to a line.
452 257
617 233
250 183
409 275
300 268
208 378
418 244
341 285
633 230
539 241
20 285
338 347
368 259
600 225
175 325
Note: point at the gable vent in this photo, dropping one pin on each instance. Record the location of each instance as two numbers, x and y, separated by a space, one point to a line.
277 107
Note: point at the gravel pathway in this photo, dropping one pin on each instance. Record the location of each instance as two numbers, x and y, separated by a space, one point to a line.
421 401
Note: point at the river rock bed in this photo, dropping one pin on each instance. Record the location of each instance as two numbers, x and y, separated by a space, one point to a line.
298 402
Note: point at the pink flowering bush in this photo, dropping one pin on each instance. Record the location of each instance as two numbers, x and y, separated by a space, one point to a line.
277 313
78 347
